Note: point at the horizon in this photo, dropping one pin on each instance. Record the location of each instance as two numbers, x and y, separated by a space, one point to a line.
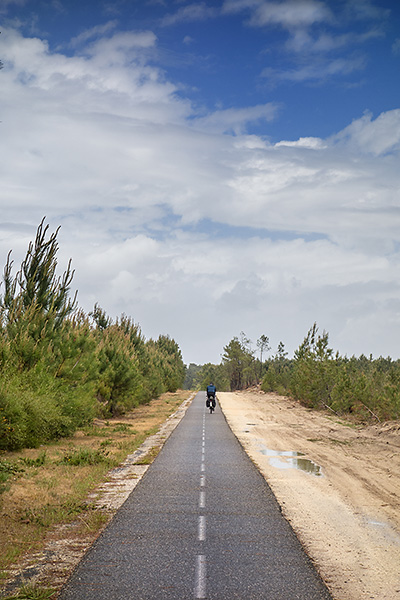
215 167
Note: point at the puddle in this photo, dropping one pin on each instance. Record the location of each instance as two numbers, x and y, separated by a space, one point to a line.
291 460
387 531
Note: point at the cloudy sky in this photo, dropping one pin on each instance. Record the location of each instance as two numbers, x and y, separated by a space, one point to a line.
215 166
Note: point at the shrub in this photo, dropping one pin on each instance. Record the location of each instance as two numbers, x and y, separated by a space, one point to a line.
85 456
7 470
60 368
35 462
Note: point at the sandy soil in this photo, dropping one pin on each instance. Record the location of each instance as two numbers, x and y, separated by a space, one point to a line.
337 484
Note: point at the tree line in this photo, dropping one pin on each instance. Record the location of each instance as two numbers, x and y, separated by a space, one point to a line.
239 369
316 376
60 367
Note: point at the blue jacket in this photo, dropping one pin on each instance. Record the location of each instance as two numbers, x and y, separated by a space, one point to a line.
211 389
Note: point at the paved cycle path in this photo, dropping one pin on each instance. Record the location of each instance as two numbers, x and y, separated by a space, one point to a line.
202 523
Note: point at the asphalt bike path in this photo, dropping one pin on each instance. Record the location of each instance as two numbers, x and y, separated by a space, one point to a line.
202 523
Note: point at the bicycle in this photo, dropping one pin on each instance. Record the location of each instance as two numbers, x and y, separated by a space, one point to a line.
210 403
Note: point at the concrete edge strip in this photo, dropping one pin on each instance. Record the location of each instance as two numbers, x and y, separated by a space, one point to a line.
111 495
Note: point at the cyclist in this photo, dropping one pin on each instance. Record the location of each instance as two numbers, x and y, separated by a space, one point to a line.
211 391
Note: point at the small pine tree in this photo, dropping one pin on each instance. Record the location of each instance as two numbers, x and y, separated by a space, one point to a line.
36 283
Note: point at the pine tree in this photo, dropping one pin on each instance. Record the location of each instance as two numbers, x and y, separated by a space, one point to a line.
36 283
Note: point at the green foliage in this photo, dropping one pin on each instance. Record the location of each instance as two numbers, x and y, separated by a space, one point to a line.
192 376
85 456
312 375
122 428
151 361
172 363
32 592
35 462
7 469
59 367
319 378
239 363
119 375
28 419
215 374
36 283
100 318
263 346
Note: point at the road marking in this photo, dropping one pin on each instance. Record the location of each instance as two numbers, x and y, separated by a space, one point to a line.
202 500
202 529
200 578
203 448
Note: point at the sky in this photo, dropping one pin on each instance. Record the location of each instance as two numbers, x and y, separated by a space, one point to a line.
215 166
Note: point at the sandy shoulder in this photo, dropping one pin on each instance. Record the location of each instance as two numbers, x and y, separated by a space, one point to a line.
341 494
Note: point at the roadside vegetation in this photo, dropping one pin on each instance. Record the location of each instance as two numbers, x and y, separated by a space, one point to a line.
366 388
78 393
48 486
59 367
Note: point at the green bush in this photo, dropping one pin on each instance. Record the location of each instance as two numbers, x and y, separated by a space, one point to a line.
59 368
85 456
7 470
35 462
36 408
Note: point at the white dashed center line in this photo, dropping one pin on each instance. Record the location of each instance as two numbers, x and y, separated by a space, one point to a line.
200 583
200 577
202 529
202 500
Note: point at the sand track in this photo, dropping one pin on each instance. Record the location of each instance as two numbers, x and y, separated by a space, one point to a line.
347 515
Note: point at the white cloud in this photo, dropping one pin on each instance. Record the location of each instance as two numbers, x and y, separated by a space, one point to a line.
104 145
308 142
205 291
236 119
316 70
302 15
366 10
316 48
291 14
93 32
192 12
288 14
302 41
378 136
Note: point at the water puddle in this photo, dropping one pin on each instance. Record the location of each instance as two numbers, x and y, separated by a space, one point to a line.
291 460
389 534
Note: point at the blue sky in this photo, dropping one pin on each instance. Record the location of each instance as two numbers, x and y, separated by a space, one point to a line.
215 167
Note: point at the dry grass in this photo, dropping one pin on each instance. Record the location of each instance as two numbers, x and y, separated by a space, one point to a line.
54 492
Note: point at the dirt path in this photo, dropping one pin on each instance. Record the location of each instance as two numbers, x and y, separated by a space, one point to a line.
338 485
